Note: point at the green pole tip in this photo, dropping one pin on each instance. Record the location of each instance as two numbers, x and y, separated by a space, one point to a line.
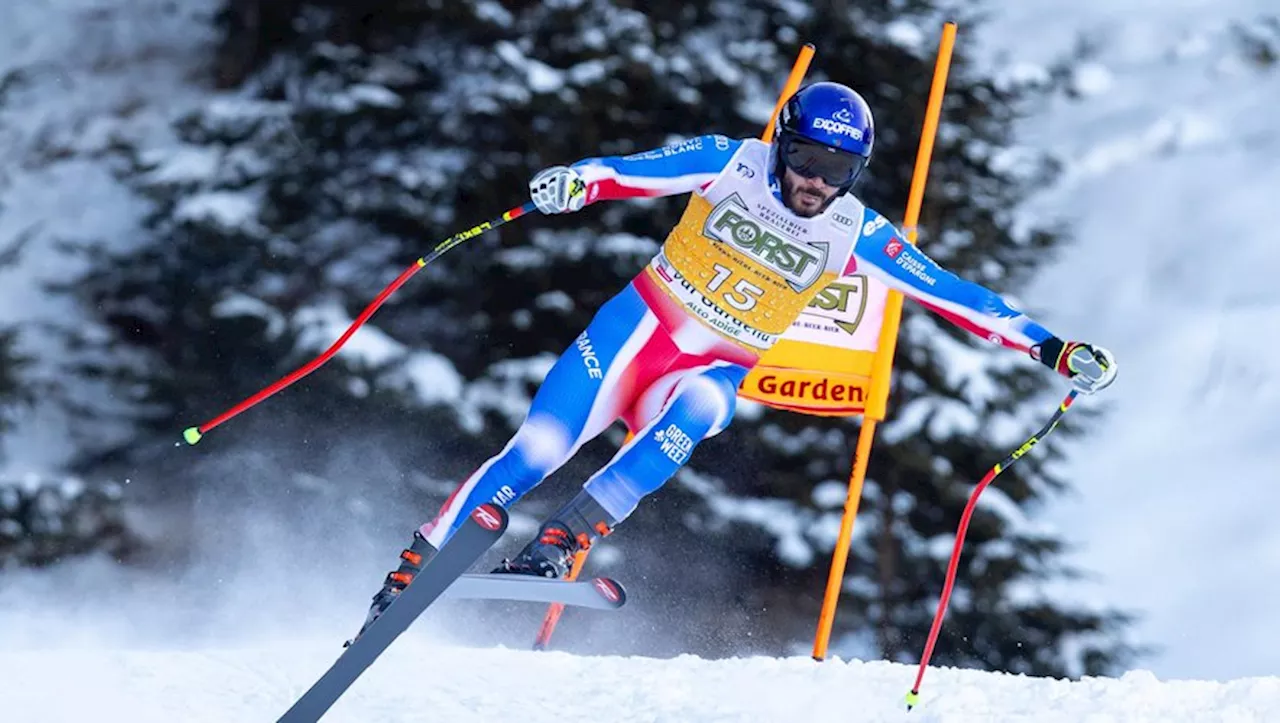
192 435
913 699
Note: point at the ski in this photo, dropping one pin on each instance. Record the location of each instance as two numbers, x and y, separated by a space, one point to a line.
482 529
601 593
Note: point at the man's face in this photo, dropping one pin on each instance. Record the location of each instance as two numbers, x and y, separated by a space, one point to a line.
806 197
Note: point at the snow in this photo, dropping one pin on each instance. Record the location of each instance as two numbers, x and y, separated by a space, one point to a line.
229 209
554 301
907 34
620 244
830 494
505 389
801 537
374 95
994 501
1172 165
1091 79
238 304
588 71
780 518
540 77
443 681
321 325
494 12
432 378
181 165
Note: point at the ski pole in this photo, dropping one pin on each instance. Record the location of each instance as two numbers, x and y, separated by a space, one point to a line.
194 434
914 696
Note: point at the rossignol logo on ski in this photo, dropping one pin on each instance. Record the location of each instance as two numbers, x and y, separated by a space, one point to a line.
608 590
730 222
487 517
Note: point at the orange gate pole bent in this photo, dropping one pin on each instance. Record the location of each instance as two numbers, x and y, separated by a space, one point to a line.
884 354
798 71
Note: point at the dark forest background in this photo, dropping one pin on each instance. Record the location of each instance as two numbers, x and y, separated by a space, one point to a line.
347 137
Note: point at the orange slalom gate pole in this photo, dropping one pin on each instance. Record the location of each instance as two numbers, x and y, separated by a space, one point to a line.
840 556
798 71
555 610
887 343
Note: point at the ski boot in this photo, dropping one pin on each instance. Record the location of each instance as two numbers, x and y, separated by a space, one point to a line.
567 532
411 562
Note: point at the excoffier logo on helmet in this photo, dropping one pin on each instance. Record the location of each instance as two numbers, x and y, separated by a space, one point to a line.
835 126
800 264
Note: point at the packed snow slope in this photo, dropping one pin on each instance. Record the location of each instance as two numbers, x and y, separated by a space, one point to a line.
417 681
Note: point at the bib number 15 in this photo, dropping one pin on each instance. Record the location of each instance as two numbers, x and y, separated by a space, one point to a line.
743 296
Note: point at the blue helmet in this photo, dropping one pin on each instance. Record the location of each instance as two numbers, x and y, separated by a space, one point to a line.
825 130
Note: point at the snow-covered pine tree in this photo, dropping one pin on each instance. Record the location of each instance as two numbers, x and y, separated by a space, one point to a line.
12 394
362 136
48 519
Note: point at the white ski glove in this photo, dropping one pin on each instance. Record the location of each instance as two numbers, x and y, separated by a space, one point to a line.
558 189
1090 368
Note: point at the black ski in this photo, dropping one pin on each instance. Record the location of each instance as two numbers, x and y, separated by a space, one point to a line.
601 593
481 530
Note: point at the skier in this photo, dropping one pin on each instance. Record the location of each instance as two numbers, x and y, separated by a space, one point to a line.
769 225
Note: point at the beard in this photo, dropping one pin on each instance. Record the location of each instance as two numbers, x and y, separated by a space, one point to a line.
803 202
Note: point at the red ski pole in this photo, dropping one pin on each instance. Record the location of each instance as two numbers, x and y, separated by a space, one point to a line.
914 696
194 434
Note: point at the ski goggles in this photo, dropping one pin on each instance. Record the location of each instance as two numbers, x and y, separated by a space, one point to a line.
814 160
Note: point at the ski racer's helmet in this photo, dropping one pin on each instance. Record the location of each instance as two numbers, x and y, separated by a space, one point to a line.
824 130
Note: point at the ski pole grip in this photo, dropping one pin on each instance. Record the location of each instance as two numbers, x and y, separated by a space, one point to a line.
1083 362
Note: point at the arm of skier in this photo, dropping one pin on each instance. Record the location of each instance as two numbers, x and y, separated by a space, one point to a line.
668 171
882 252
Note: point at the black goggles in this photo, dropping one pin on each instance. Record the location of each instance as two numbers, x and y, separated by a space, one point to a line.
814 160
